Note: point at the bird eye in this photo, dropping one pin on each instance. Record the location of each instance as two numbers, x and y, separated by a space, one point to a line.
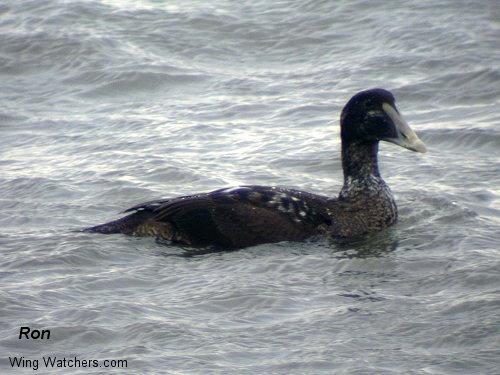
370 103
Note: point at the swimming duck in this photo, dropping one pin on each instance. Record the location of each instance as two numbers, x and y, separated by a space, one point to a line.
249 215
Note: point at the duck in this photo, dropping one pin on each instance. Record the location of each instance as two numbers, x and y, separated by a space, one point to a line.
243 216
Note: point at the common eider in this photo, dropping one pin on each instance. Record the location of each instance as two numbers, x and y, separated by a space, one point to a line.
249 215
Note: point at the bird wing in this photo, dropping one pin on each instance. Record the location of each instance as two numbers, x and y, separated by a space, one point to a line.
243 216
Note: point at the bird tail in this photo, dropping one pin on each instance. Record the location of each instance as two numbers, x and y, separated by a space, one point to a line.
127 224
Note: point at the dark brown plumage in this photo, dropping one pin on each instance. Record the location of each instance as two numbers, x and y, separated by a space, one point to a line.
250 215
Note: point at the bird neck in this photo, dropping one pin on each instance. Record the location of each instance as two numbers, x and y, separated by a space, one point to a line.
360 165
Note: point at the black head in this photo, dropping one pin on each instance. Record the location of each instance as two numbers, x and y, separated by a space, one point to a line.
372 116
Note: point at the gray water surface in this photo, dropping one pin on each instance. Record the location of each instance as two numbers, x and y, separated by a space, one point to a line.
105 104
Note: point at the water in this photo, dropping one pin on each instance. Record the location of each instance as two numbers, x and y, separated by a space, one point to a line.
105 104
